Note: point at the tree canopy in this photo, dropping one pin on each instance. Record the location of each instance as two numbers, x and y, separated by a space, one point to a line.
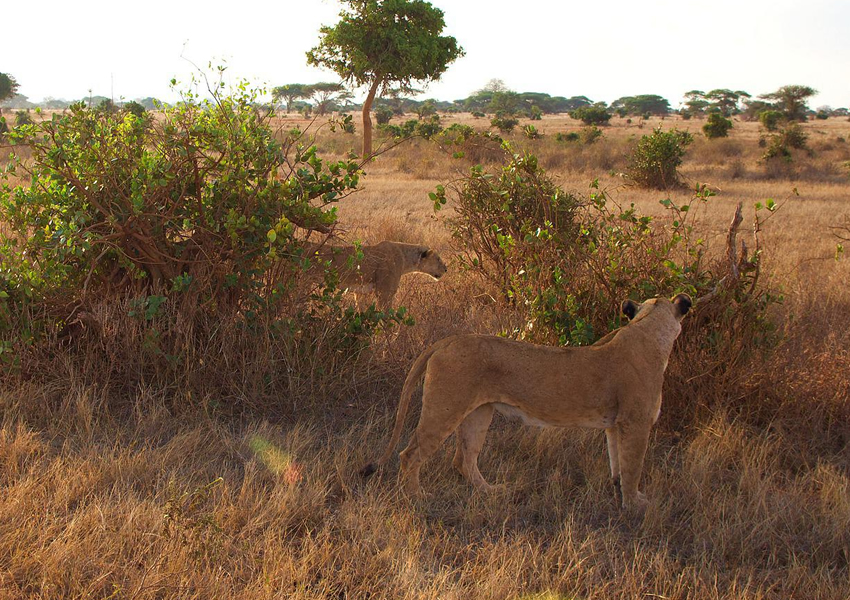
8 86
290 92
791 100
640 105
385 43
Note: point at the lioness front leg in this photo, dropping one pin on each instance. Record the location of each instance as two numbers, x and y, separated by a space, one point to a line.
632 443
470 439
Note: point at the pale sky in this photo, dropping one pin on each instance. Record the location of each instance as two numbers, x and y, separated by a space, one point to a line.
603 50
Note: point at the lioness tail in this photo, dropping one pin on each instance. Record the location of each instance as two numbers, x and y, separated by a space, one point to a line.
417 372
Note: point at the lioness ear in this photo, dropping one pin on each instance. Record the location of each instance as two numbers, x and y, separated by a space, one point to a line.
629 308
424 254
683 304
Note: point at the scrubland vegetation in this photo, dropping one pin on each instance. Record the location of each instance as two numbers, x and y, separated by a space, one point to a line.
185 406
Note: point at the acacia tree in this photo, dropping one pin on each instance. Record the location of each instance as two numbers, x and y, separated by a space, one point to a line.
325 95
290 92
791 100
385 43
642 104
726 101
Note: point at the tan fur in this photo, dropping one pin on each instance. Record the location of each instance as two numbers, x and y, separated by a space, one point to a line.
614 385
382 266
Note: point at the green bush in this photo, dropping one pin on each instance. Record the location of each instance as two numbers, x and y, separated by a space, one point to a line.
589 135
430 128
591 115
535 113
780 144
504 123
563 263
383 114
414 127
199 216
568 261
134 108
770 119
531 132
655 160
717 126
426 109
23 117
572 136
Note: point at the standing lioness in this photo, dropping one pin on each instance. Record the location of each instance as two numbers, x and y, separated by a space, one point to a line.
614 385
381 266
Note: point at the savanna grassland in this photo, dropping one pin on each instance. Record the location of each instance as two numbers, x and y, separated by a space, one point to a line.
146 491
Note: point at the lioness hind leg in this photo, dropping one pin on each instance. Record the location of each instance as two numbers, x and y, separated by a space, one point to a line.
431 431
614 460
470 439
632 443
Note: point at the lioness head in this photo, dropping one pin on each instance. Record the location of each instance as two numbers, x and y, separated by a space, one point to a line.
680 305
431 263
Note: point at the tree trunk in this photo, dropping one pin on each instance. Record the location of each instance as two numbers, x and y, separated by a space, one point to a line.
367 120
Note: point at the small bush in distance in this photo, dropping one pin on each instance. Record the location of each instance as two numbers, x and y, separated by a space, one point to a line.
23 117
572 136
717 126
589 135
655 161
134 108
531 132
430 128
504 123
770 119
383 114
780 144
591 115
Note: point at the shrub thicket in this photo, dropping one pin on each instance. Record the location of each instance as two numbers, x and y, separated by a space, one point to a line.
531 132
195 223
504 123
717 126
591 115
655 161
566 262
770 119
780 144
383 114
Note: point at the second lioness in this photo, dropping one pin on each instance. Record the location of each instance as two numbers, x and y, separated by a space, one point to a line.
381 266
614 385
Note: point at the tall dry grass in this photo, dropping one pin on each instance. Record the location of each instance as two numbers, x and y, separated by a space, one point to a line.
138 490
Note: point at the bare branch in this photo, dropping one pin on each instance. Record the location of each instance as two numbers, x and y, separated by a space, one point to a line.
734 264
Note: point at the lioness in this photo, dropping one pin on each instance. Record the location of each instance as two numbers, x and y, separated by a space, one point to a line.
614 385
381 266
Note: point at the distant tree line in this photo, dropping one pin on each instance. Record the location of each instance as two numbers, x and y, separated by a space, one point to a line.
787 104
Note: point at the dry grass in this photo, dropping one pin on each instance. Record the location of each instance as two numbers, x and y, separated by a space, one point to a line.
159 496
